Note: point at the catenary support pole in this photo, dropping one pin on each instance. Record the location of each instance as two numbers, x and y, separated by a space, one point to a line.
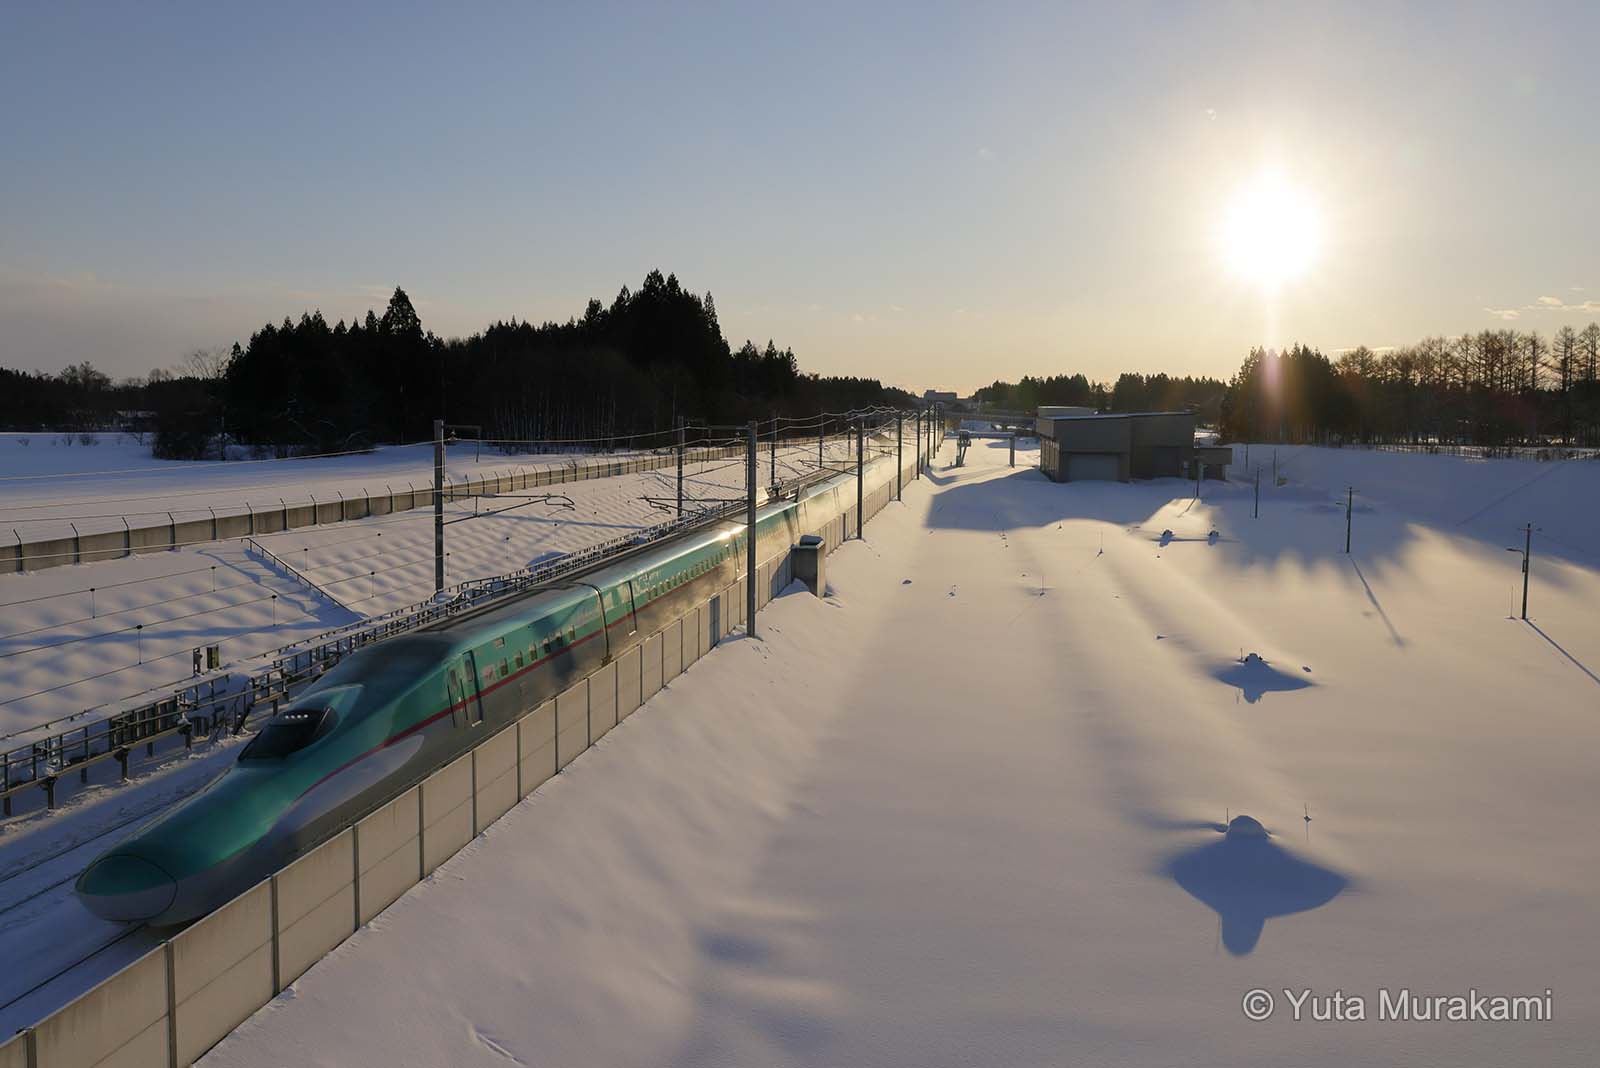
438 505
1527 553
774 479
822 432
899 457
750 535
1256 514
860 471
918 421
1013 462
680 466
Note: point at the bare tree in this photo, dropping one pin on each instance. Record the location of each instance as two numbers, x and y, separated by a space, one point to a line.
206 363
1590 339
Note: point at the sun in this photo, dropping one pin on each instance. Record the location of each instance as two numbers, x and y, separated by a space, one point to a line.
1272 232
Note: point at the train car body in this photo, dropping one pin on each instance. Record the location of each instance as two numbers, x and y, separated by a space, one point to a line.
388 716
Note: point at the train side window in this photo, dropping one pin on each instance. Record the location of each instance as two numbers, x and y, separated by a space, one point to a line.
519 660
572 635
505 668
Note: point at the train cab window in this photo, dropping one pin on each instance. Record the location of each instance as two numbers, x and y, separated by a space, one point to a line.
289 732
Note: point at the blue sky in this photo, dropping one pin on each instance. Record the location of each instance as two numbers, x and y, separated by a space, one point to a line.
937 195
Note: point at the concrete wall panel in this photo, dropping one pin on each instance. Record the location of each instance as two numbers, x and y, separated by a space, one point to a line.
390 862
602 701
446 812
693 627
123 1018
572 723
107 546
650 667
316 905
233 526
297 516
222 971
496 777
672 651
629 677
194 531
538 746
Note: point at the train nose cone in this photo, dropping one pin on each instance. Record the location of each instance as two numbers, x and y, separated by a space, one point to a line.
122 887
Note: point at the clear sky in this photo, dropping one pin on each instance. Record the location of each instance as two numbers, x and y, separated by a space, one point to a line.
935 195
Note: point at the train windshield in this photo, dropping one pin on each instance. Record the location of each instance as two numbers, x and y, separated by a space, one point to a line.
289 732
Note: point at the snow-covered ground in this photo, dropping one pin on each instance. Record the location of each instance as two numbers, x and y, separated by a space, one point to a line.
70 637
968 810
47 485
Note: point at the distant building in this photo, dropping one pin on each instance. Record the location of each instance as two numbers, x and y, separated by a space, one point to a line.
940 396
1076 446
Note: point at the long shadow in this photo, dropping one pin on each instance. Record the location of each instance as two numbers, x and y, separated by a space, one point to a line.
1394 634
1247 881
1557 646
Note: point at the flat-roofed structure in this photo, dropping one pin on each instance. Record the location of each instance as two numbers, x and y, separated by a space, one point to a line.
1118 447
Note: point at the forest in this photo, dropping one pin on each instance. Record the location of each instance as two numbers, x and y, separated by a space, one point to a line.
1492 388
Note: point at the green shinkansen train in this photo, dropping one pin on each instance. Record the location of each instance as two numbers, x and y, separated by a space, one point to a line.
388 716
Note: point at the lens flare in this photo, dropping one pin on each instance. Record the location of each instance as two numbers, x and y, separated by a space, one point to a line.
1272 232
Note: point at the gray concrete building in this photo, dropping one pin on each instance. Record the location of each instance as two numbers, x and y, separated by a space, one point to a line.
1122 446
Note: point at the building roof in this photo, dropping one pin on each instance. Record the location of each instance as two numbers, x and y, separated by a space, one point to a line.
1115 415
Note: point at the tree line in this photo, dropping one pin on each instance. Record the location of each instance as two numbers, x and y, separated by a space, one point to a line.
1491 388
1129 393
651 357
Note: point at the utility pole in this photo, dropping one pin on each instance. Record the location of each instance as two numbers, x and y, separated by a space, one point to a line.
1527 555
750 535
919 445
680 466
1349 507
438 505
860 439
899 457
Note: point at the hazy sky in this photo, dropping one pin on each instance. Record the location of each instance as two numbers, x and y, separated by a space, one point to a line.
934 195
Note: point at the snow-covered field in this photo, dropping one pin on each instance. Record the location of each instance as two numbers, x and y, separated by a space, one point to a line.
48 484
71 637
968 809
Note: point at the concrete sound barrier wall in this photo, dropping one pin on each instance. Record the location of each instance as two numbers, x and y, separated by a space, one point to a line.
172 1004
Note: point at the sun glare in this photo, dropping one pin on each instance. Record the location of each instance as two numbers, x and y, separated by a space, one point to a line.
1271 233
